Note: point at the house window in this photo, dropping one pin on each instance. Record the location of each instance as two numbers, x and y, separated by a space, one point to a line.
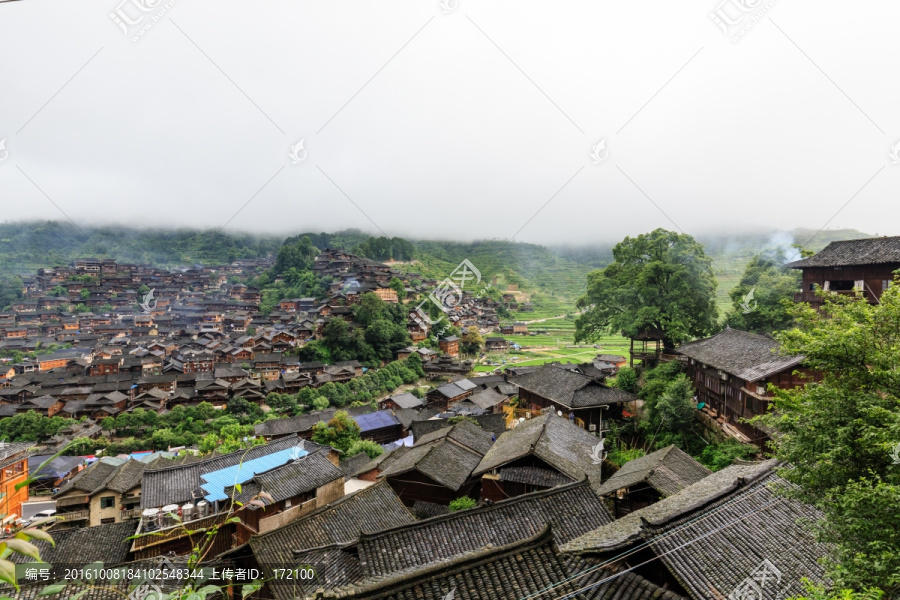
287 503
885 284
107 521
107 502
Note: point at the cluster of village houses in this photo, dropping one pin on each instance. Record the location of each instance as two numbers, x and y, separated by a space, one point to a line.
547 515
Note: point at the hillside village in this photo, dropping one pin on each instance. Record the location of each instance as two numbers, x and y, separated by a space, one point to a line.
481 485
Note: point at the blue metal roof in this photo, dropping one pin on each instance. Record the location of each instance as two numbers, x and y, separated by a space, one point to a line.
376 420
217 481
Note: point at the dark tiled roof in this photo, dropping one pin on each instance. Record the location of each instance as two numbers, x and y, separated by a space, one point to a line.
426 510
334 566
554 440
668 471
127 476
626 531
407 400
302 423
745 355
869 251
569 388
495 424
360 463
443 462
534 476
108 544
296 477
766 532
90 479
488 399
523 569
177 484
340 523
572 510
446 456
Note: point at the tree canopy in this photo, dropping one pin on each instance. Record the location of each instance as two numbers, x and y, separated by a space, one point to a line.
841 436
660 280
762 298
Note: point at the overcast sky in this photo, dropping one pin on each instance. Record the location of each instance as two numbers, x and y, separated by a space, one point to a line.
473 121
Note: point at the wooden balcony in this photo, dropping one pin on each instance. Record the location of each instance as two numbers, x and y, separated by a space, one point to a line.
134 513
75 515
815 297
174 532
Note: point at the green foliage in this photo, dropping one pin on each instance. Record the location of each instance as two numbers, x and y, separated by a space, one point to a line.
282 403
660 280
341 432
839 435
10 290
471 341
398 287
298 254
814 592
772 286
244 411
382 335
462 503
461 418
619 457
382 248
372 449
627 379
313 351
717 456
230 438
84 447
671 416
31 426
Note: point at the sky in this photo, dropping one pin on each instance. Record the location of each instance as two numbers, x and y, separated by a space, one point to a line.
552 123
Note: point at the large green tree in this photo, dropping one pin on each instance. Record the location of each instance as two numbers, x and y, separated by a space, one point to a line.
660 280
340 432
762 298
295 253
470 342
841 436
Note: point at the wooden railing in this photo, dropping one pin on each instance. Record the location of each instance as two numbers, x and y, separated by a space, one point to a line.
133 513
75 515
174 532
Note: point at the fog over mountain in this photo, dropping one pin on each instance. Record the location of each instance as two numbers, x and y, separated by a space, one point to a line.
478 121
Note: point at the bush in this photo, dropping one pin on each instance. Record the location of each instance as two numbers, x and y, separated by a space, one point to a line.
719 455
626 379
462 503
372 449
620 457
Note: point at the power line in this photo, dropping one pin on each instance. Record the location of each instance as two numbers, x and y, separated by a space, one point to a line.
644 544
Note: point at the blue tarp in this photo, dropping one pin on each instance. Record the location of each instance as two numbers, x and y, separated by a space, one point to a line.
217 481
376 420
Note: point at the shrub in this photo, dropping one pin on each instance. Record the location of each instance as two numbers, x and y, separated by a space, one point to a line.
372 449
462 503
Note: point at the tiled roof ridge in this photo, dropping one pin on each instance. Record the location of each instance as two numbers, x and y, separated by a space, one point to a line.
295 460
457 564
331 506
213 456
484 508
741 482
